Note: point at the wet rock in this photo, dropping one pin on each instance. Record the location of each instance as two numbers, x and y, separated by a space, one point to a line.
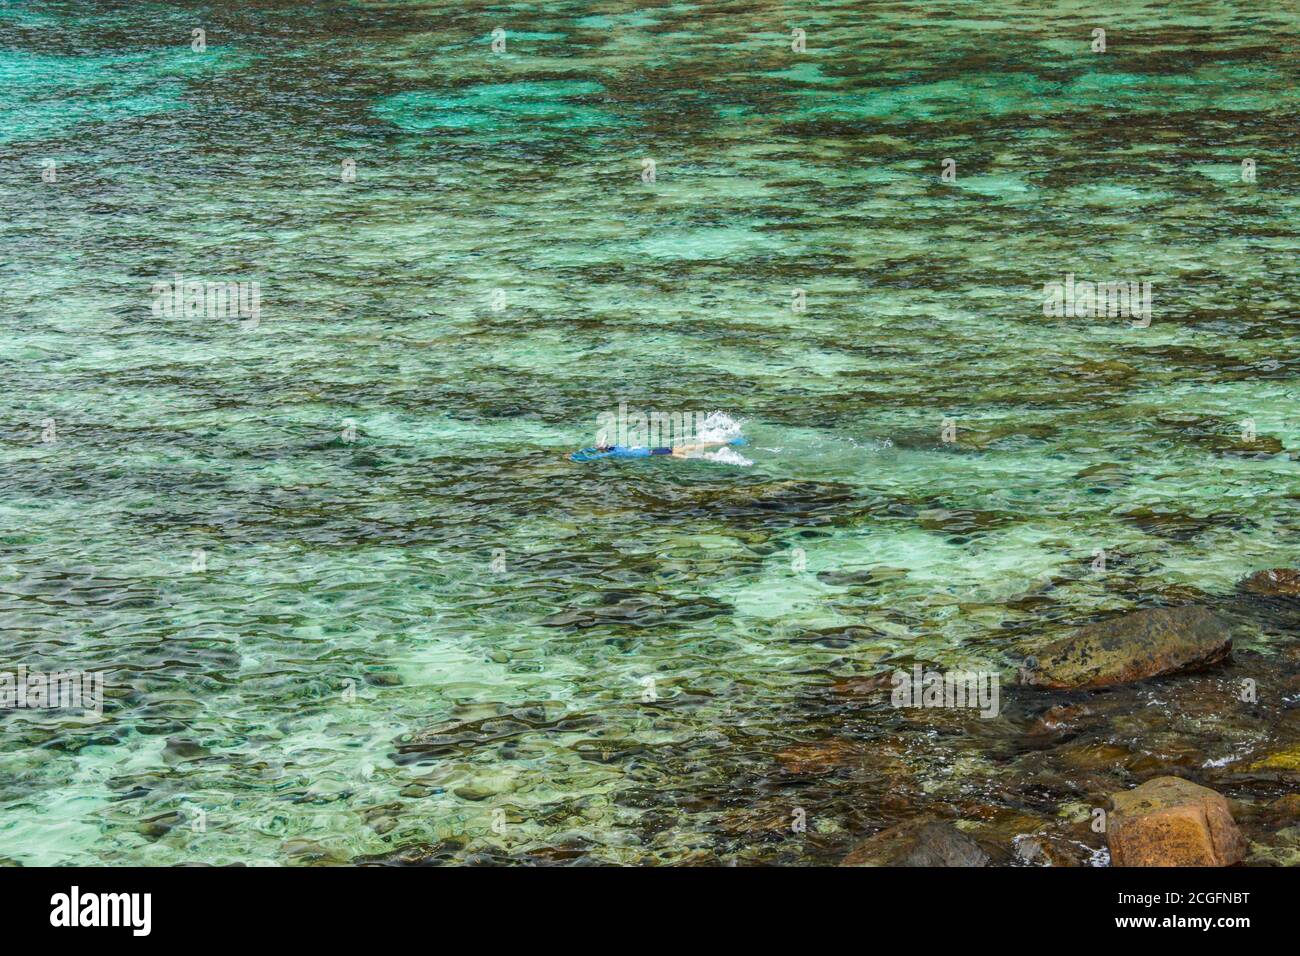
1042 849
865 686
963 521
1169 594
860 578
1062 719
432 854
1133 647
641 609
844 578
1277 582
821 756
302 850
838 638
563 848
1279 849
1283 810
922 842
1167 752
1098 756
1170 821
1174 525
758 821
1103 479
1110 372
1261 448
1280 761
1217 435
998 828
474 793
382 819
774 504
153 828
178 749
499 727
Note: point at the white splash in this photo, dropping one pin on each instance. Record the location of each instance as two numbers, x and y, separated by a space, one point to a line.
717 426
727 456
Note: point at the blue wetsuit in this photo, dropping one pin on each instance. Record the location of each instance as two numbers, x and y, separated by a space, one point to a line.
623 451
618 451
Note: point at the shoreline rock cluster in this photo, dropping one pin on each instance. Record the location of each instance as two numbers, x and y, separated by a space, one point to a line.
1165 821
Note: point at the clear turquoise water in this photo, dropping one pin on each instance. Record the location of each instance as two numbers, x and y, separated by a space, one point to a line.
520 692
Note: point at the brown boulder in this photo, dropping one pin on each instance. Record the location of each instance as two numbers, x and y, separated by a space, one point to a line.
1169 821
921 842
1131 647
1284 810
1277 582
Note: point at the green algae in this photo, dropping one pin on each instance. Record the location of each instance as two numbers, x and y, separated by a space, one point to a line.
524 108
50 96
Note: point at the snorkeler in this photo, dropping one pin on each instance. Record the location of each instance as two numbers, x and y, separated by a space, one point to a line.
623 451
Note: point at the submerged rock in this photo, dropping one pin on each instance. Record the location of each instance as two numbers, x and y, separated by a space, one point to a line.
922 842
1129 648
1284 810
425 854
821 756
1175 525
1277 582
639 609
838 637
1042 849
303 850
1170 821
865 686
1280 761
859 578
1062 719
775 503
763 821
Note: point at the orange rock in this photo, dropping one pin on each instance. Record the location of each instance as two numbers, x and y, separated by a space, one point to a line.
1169 821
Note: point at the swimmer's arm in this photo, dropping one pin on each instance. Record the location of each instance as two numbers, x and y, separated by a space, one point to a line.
684 451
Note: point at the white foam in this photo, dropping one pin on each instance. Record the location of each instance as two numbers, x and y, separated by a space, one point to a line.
717 426
727 456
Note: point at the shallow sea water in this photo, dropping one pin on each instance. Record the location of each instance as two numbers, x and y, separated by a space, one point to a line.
436 642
